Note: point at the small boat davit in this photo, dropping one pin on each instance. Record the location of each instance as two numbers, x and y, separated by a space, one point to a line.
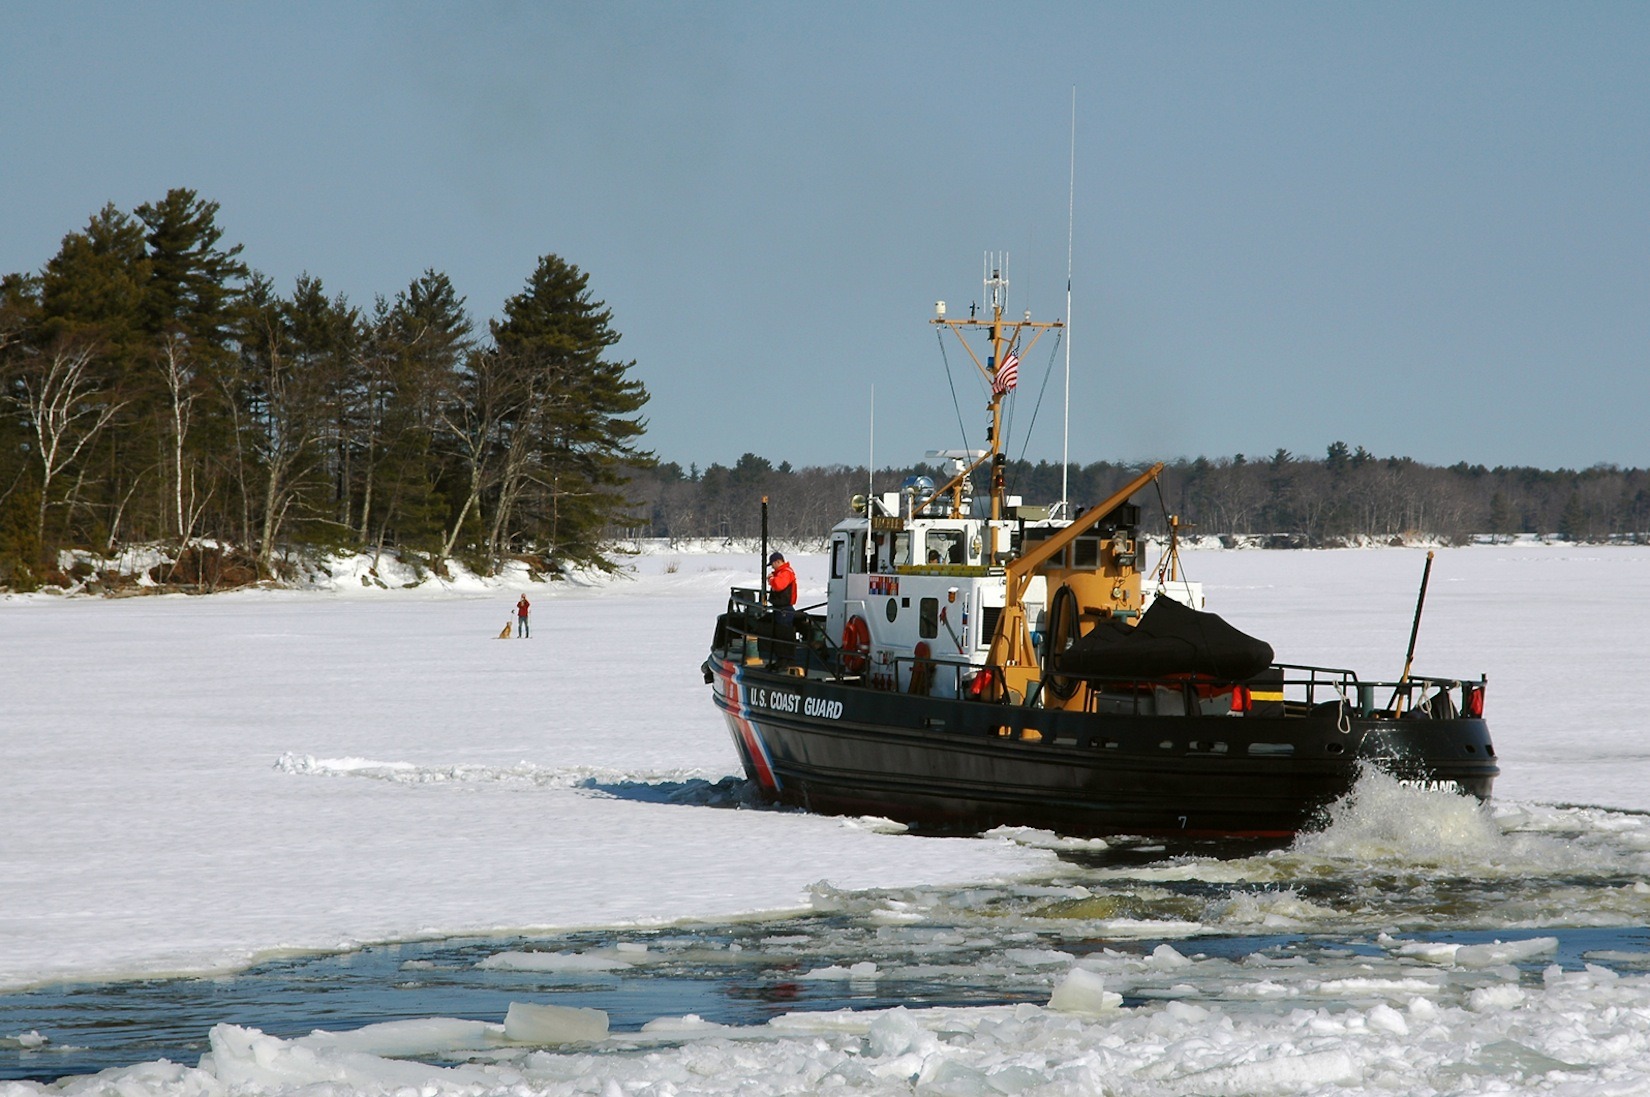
978 662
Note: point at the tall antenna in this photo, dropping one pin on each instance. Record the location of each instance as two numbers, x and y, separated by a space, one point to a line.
871 458
1071 206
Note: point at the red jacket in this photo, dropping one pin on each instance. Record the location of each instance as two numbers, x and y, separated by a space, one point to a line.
783 585
521 606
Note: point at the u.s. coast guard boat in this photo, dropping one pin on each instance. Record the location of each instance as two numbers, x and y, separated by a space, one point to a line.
978 662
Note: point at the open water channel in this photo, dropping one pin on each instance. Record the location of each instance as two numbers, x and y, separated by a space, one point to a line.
1384 906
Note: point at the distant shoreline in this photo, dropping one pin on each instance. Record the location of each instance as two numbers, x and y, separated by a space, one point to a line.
143 572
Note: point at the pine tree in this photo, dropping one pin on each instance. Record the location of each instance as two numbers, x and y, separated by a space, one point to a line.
419 344
1573 522
580 413
19 314
324 336
193 283
1501 517
281 388
94 287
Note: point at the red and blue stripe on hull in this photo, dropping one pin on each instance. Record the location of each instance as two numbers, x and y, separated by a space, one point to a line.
747 735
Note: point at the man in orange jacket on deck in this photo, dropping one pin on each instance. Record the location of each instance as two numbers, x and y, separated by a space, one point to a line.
782 595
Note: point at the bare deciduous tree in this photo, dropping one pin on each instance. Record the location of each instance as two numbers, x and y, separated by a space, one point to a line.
67 409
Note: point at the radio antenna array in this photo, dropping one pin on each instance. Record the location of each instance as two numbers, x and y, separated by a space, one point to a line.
996 279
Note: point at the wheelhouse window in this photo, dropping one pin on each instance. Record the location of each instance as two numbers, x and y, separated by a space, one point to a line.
902 550
945 546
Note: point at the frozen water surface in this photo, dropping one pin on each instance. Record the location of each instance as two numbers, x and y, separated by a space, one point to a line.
201 786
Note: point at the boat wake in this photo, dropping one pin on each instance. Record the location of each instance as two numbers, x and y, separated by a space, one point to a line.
1391 859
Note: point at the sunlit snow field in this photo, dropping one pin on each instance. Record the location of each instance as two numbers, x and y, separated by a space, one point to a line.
195 785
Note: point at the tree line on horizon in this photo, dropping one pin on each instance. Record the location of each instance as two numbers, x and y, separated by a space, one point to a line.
1349 495
155 389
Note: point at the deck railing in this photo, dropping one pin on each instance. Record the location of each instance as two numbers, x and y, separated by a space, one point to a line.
1283 689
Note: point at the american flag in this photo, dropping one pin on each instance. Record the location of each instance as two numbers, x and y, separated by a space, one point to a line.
1008 374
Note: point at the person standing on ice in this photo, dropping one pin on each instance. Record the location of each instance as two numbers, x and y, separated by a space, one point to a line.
522 607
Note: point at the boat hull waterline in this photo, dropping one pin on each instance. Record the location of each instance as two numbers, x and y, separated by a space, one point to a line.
966 766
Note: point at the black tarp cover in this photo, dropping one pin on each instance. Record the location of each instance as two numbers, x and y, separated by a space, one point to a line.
1170 639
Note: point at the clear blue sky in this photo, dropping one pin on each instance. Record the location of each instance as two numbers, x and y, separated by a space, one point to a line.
1423 228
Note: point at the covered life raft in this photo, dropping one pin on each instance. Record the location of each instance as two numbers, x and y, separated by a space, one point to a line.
1170 639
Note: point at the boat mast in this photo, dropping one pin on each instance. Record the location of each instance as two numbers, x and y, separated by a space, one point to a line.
996 289
1005 337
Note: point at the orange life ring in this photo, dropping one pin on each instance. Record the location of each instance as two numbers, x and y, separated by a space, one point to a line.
856 642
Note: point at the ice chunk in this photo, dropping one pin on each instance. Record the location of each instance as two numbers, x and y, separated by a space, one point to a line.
949 1078
897 1033
528 1023
1366 986
247 1059
1589 976
1617 956
865 969
1384 1018
1431 952
1508 952
1045 839
1487 955
885 916
1168 958
1146 927
1491 999
1263 990
687 1026
1038 957
1291 1072
1083 991
1184 1013
422 1036
876 825
552 961
833 1021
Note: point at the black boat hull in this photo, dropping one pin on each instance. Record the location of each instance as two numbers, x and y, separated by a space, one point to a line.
966 766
